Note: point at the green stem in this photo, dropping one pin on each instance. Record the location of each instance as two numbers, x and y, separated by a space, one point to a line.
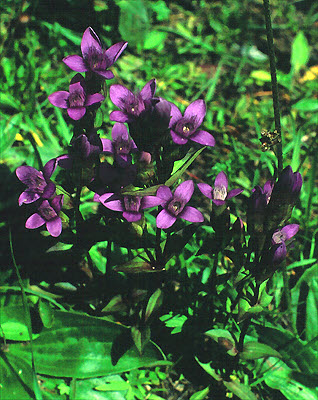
271 53
288 300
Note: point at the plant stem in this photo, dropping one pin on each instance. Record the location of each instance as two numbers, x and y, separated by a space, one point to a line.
271 53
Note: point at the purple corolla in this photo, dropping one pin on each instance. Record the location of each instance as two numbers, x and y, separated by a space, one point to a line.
219 194
279 239
76 100
131 105
174 205
130 206
95 59
48 214
120 146
184 128
39 184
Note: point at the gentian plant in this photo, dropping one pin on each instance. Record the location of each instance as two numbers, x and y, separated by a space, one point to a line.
126 186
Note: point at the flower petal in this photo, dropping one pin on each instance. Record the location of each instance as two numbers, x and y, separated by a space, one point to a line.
279 253
93 98
76 63
59 99
164 219
118 94
54 226
49 168
184 191
132 216
150 201
115 51
196 110
221 180
175 114
203 137
28 174
205 189
49 190
218 202
76 113
89 40
34 221
57 203
191 214
105 74
148 91
120 132
164 192
119 116
178 139
115 205
290 230
233 193
65 161
28 197
107 146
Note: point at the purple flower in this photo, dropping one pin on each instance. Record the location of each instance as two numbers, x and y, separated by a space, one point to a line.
94 58
76 100
39 184
287 187
121 146
130 206
131 105
258 202
48 214
174 205
219 193
184 128
83 146
279 239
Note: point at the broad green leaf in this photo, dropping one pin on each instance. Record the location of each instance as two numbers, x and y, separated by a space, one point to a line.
80 346
16 378
46 313
223 338
306 105
300 52
255 350
207 368
95 389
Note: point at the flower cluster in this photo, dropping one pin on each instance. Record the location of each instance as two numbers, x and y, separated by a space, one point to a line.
131 171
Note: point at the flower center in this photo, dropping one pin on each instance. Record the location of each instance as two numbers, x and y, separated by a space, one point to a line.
47 212
122 147
279 237
219 193
36 183
76 99
132 203
175 207
96 60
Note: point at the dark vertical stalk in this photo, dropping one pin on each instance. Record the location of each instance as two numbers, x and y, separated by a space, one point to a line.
272 61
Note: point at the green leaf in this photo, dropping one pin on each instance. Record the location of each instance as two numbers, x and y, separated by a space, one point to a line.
154 303
261 75
46 313
141 337
92 389
79 346
201 395
255 350
240 390
183 167
16 378
133 21
155 40
306 105
223 338
300 52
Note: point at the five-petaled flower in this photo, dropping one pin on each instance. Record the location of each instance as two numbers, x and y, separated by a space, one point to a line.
131 105
184 128
121 146
219 194
174 205
130 206
95 59
48 214
76 100
279 239
39 184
